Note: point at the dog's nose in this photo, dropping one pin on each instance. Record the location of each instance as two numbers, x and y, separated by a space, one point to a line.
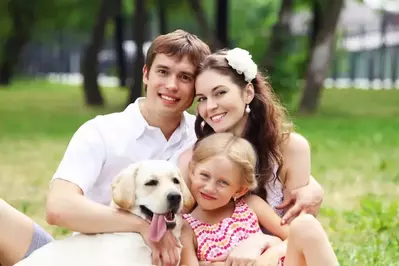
174 199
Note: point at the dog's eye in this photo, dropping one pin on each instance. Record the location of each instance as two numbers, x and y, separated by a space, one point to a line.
175 180
151 183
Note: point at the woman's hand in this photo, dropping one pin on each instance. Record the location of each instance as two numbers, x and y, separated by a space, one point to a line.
306 199
248 251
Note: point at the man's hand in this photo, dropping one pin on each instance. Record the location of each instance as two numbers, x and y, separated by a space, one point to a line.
305 199
248 251
166 250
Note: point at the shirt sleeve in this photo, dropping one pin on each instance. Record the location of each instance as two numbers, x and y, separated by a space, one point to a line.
84 157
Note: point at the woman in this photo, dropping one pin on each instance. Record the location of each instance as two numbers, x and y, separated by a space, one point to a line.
234 97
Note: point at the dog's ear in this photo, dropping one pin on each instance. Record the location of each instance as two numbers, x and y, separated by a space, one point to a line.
188 199
123 187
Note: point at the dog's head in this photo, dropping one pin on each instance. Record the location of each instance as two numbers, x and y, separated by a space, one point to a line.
154 190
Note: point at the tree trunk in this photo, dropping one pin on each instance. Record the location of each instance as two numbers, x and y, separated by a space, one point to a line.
91 89
320 56
279 37
317 21
23 17
222 22
162 16
206 30
119 38
139 31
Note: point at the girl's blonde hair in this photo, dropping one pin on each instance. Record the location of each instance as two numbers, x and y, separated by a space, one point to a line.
238 150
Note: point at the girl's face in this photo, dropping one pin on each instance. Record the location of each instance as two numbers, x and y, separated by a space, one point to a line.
215 181
221 103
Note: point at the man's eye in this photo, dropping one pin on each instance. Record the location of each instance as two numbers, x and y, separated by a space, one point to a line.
186 78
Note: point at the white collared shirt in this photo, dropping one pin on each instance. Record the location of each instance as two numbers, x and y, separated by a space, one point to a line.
106 144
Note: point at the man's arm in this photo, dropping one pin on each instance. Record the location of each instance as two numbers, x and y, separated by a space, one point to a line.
77 173
69 208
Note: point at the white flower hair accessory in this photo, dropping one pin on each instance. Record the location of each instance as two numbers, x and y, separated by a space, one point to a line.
241 60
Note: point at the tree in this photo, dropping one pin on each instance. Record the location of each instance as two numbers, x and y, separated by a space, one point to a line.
222 23
118 41
322 47
91 89
162 16
206 31
139 33
23 18
280 35
278 53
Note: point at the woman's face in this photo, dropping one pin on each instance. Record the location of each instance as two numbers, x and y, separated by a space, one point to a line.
221 103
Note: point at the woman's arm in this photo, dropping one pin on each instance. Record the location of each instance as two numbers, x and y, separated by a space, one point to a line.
267 216
307 199
296 172
188 253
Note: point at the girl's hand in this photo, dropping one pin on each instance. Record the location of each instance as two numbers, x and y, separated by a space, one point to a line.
272 255
248 251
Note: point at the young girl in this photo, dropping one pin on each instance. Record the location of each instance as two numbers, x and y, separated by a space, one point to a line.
222 174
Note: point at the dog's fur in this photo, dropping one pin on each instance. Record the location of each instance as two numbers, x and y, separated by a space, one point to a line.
147 183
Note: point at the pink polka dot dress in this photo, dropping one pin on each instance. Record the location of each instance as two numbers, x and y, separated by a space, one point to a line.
217 239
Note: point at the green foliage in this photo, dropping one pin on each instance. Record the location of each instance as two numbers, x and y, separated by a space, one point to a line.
368 236
250 24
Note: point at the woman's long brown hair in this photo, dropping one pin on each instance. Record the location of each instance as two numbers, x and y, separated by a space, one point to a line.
266 127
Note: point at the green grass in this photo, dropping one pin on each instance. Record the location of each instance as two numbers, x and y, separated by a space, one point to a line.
355 150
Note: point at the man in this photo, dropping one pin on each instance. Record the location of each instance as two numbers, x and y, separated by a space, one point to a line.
154 127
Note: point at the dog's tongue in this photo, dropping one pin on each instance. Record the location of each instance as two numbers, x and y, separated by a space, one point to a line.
157 227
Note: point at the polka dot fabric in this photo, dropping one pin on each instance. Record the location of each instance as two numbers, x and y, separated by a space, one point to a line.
217 239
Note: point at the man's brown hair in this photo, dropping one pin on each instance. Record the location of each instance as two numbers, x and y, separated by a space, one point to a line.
179 44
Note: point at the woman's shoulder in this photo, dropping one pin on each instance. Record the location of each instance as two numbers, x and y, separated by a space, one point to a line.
295 143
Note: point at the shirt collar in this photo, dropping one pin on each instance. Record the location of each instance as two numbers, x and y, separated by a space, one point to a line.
140 124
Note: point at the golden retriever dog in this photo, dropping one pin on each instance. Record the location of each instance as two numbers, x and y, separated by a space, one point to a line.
153 190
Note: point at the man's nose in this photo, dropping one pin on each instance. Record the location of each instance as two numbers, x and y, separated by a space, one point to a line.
172 83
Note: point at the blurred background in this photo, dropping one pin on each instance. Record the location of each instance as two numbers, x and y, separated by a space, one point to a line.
333 63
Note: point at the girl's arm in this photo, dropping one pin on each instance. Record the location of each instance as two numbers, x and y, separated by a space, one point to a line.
267 217
188 253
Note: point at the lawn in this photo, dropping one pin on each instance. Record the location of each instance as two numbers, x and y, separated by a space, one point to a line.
355 151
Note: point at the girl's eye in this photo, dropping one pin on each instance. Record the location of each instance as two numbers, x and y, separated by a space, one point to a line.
204 175
223 183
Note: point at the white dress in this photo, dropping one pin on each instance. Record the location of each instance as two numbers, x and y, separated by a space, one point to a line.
274 189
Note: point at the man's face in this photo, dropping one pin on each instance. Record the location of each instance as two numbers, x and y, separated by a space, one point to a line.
170 85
